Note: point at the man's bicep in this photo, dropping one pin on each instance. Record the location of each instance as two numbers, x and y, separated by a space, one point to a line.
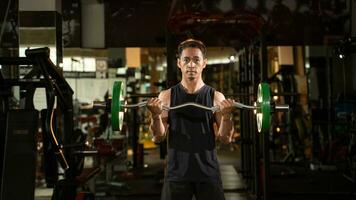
218 97
217 118
165 124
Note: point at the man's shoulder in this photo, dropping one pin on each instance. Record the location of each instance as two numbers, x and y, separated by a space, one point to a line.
165 94
218 95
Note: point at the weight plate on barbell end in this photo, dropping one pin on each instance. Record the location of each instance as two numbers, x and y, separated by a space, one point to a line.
117 115
122 111
263 114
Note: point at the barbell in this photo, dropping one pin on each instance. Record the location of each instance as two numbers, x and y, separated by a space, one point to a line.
262 107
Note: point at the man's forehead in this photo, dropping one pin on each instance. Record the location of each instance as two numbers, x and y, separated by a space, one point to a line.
191 52
187 56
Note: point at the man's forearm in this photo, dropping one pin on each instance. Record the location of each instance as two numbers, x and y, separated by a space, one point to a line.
226 128
157 128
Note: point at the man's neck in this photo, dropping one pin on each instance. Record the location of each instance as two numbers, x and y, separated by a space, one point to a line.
192 86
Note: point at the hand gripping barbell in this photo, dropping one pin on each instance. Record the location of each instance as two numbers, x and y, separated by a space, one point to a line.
262 107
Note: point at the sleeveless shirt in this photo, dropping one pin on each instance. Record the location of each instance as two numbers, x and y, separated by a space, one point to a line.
191 139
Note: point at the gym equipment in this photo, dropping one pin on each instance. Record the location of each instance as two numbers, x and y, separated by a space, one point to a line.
20 125
262 107
117 116
19 167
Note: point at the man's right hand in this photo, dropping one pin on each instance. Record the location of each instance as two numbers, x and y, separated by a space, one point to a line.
154 105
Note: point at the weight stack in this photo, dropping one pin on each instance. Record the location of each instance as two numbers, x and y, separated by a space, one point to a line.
19 156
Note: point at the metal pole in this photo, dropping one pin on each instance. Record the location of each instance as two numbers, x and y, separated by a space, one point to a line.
172 71
135 134
255 158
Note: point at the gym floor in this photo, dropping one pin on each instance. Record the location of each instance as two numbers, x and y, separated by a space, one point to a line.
146 183
292 181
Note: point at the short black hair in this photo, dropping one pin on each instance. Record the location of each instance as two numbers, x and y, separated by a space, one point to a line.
191 43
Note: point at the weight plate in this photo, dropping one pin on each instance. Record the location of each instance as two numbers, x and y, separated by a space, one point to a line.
263 114
117 116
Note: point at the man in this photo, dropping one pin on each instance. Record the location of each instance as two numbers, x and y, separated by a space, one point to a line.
192 167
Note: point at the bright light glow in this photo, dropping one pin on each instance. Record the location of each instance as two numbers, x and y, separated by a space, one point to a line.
259 118
89 64
159 68
275 98
254 110
307 65
67 64
218 61
86 64
232 58
77 64
121 70
129 152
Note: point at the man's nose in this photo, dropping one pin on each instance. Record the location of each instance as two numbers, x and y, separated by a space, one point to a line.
191 64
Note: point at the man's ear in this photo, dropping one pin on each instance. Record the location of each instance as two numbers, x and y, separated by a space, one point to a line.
205 62
178 63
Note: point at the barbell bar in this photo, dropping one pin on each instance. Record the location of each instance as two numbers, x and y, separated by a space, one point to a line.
262 107
213 109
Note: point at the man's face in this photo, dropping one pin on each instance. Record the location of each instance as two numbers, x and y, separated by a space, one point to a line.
191 63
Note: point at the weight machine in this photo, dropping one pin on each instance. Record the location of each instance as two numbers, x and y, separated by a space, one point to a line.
20 125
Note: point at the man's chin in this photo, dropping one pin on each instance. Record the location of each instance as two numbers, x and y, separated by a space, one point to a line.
191 78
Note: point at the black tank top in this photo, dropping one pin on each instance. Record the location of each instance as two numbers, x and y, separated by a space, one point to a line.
191 139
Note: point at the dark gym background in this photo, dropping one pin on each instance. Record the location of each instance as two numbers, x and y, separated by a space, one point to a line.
305 50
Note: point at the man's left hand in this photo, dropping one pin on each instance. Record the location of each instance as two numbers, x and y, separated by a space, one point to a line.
227 106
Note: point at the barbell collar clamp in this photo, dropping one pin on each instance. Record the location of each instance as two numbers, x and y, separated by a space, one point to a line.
281 108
